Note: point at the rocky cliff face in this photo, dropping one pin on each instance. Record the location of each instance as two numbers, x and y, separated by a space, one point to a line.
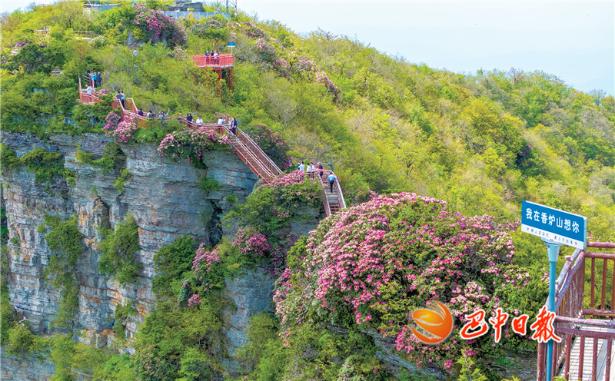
163 195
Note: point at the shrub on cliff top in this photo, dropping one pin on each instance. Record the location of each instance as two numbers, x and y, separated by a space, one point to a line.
373 264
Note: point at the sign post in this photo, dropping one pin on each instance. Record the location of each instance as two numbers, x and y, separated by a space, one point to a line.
555 227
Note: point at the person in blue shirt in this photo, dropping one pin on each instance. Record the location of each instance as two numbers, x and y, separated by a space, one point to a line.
331 178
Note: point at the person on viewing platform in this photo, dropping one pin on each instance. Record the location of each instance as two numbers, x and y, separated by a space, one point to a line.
98 81
140 112
92 77
310 169
89 90
221 120
301 166
189 118
199 121
321 170
234 126
150 114
162 115
331 178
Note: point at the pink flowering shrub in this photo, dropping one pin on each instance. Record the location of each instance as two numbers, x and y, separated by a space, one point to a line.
194 300
158 27
291 178
378 261
251 242
122 129
205 259
191 142
111 121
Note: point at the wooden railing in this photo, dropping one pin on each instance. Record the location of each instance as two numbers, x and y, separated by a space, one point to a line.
259 153
585 296
242 144
221 61
86 98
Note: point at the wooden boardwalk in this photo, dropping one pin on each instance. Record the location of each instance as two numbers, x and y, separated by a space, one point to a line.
588 366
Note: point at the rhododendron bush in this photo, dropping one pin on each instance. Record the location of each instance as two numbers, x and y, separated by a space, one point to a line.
375 263
158 27
190 142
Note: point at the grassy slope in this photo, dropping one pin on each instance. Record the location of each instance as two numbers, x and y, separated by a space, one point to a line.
483 142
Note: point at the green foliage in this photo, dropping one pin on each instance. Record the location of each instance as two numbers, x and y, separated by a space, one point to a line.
119 248
269 210
111 159
66 244
208 184
122 313
45 165
172 263
469 371
20 339
8 158
166 341
120 182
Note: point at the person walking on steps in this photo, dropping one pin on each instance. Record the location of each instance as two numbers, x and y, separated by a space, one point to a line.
234 126
331 178
301 166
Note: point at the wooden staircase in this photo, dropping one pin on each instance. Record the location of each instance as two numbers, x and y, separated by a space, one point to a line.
242 144
333 201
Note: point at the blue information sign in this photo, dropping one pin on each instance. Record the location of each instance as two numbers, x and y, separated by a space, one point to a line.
554 225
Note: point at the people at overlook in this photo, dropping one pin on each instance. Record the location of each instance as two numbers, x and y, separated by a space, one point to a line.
150 114
311 169
189 118
199 121
301 167
89 90
331 178
140 112
98 79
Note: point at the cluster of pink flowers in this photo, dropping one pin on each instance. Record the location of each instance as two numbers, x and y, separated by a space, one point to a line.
195 140
393 254
194 300
204 258
122 128
167 142
294 177
159 27
111 121
252 243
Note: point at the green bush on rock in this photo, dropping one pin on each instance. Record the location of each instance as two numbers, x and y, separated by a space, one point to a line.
119 248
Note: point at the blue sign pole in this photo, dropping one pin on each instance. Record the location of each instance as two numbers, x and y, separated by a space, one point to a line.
556 227
552 253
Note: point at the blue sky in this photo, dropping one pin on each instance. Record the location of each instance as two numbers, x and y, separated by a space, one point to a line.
572 39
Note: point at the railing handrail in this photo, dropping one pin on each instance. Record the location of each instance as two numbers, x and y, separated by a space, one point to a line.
259 151
222 60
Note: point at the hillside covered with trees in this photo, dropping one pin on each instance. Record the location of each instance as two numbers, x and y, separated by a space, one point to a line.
480 143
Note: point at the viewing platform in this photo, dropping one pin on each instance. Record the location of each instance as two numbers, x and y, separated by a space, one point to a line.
585 308
222 61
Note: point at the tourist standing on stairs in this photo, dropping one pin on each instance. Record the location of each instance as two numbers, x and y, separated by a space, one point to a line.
331 179
234 126
321 170
301 166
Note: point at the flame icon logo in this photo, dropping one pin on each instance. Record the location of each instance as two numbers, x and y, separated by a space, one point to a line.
436 323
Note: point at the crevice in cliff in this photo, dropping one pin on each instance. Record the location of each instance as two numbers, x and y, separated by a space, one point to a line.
214 226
